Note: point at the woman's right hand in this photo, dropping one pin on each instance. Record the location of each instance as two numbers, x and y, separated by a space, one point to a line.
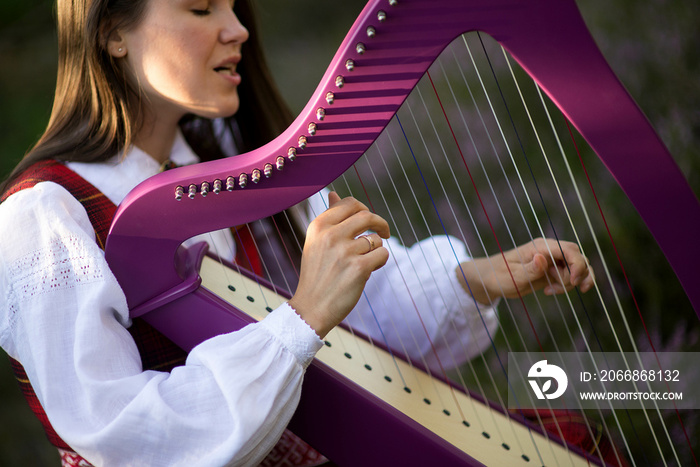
336 263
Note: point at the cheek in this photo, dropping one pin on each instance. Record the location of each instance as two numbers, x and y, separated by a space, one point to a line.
170 66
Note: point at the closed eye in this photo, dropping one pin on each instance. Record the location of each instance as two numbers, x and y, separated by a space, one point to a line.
201 12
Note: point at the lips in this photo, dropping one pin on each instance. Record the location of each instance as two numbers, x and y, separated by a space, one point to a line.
228 66
229 70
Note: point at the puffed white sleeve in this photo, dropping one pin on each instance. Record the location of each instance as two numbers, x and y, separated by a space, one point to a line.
64 317
416 305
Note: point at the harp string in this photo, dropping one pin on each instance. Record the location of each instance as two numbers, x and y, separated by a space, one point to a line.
495 197
286 249
403 241
479 422
548 217
575 232
444 192
471 178
415 238
463 237
283 251
415 308
570 304
539 306
525 192
488 179
471 139
379 327
568 216
461 154
399 160
414 269
393 290
646 331
427 190
582 205
584 211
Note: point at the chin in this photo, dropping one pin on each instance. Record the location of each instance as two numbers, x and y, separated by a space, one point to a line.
219 111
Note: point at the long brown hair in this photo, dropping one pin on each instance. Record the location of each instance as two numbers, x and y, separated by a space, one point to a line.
94 117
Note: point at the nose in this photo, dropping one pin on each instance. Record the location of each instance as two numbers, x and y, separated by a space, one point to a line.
233 30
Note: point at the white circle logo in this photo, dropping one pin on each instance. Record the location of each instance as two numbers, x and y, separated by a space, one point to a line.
540 371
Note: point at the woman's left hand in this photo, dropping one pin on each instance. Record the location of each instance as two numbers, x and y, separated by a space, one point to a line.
543 264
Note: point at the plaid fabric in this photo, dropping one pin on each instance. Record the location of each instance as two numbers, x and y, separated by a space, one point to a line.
292 451
247 254
71 459
100 209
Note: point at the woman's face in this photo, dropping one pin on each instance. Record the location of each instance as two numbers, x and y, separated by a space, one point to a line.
183 56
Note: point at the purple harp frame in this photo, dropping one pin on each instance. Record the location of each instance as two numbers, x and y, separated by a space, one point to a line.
549 40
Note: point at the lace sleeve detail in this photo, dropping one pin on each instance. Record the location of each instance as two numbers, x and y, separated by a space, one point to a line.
47 249
62 264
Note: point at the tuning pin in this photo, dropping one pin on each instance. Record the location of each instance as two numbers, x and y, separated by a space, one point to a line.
302 142
230 183
192 191
339 81
255 175
320 113
312 128
292 154
360 48
179 192
350 64
381 16
330 98
280 163
243 180
267 170
205 189
217 186
371 32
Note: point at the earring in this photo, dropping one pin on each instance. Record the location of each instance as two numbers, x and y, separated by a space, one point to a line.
120 50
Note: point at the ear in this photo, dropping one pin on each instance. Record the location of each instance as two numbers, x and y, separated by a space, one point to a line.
116 47
114 43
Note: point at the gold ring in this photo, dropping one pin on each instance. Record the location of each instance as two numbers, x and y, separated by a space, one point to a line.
371 242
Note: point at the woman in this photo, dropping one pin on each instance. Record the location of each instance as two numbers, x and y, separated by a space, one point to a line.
134 77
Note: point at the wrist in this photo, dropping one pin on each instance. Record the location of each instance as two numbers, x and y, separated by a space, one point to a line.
316 322
472 276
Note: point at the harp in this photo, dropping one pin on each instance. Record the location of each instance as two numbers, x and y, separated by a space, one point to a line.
391 50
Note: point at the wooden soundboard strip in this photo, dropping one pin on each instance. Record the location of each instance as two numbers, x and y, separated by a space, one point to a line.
485 434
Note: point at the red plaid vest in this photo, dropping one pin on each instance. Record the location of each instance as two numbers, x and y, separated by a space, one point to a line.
157 351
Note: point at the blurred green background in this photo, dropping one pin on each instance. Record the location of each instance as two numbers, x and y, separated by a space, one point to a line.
654 46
